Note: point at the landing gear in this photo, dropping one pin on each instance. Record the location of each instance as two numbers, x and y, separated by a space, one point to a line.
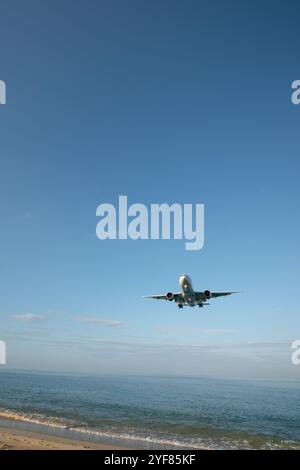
180 306
200 305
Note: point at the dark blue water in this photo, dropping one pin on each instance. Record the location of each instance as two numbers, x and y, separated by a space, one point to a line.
156 412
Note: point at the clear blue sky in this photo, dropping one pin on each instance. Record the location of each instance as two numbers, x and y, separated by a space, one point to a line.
163 101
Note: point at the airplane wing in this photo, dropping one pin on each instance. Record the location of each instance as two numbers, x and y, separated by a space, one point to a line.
201 296
177 297
221 294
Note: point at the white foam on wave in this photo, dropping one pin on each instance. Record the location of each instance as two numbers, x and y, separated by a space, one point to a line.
193 443
39 419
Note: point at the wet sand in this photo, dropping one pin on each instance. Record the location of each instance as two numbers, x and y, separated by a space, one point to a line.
17 439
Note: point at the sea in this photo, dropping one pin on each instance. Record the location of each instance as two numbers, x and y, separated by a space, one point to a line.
154 412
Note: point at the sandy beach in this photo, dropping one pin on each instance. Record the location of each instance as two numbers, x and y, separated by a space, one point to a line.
16 439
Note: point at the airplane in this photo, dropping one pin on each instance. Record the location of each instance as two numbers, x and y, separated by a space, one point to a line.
187 296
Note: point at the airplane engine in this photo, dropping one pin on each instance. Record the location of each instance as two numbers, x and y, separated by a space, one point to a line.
207 294
169 296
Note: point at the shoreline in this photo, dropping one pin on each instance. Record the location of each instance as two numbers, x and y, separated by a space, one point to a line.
12 423
12 438
15 426
18 434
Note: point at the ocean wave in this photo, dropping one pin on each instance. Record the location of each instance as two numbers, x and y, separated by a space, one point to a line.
39 419
69 425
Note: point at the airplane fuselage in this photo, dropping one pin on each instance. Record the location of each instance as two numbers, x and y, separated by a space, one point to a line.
187 290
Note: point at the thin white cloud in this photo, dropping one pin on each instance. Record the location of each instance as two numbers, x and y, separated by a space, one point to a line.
215 331
100 321
193 347
205 331
27 317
